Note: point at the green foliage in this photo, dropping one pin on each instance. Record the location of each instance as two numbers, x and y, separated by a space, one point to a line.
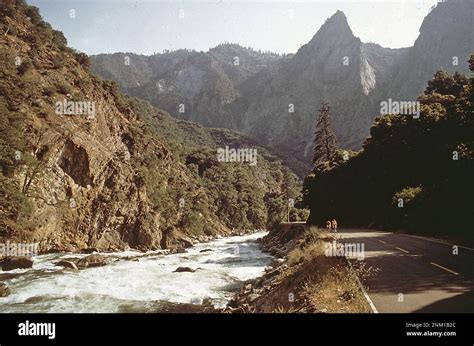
33 13
325 143
297 214
59 39
82 59
239 195
428 162
11 138
277 208
312 234
13 203
407 195
233 190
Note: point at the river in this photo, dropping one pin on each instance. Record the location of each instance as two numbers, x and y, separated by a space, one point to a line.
139 283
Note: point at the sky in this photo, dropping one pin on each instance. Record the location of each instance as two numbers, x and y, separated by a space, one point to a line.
280 26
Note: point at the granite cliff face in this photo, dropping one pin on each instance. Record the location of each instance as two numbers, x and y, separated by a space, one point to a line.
335 67
445 42
276 101
116 175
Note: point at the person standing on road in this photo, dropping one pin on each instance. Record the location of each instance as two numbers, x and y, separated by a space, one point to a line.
334 225
328 226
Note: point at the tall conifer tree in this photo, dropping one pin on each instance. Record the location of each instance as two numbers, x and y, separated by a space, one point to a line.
325 143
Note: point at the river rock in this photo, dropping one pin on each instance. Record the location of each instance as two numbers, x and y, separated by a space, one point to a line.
67 264
4 290
16 262
184 269
94 260
89 250
186 242
206 250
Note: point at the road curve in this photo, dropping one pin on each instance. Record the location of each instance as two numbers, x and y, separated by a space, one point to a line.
414 274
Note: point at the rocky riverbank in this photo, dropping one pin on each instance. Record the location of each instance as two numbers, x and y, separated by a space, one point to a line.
301 278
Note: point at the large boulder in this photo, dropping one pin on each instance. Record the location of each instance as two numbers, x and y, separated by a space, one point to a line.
16 262
90 261
4 290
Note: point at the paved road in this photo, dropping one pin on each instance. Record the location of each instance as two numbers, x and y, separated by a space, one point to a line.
415 274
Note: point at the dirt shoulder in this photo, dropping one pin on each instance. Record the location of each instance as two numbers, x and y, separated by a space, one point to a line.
302 278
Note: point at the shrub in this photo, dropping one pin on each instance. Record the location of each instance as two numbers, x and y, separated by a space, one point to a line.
312 234
295 256
82 59
193 222
13 204
59 39
33 13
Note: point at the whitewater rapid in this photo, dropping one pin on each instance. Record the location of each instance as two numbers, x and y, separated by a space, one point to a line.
141 285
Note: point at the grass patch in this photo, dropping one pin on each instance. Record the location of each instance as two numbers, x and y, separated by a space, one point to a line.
324 284
333 287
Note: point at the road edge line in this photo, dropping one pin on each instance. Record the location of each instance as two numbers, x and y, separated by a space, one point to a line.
371 303
444 268
435 240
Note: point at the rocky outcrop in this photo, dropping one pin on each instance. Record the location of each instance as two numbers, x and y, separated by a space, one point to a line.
444 43
91 261
16 262
4 290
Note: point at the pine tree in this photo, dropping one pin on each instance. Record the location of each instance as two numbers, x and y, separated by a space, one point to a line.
325 143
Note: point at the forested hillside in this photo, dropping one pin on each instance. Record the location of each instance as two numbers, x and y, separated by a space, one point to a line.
83 165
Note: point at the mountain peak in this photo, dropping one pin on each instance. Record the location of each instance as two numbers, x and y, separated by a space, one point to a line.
335 29
339 15
337 21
